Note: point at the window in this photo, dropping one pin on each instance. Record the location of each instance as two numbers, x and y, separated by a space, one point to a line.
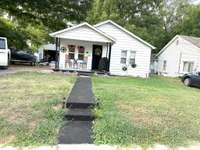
71 51
164 65
81 51
2 44
123 57
188 66
132 57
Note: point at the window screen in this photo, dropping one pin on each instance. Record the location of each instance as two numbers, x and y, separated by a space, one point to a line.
188 66
132 57
123 57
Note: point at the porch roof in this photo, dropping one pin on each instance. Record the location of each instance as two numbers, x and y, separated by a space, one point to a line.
83 32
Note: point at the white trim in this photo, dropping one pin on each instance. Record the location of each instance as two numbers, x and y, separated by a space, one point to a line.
126 31
170 42
55 34
189 42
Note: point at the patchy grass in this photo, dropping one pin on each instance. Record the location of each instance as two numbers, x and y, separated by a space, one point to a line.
146 111
30 107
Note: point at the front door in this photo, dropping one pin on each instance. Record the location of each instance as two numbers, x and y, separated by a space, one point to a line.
96 56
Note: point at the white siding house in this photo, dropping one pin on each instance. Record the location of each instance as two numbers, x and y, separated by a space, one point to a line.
128 54
180 56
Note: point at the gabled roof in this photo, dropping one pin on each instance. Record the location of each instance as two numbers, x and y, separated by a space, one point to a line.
193 40
126 31
56 34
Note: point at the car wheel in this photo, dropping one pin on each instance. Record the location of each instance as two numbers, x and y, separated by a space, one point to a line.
187 82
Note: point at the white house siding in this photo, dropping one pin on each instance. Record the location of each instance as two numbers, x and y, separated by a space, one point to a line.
175 54
171 56
126 42
83 33
88 51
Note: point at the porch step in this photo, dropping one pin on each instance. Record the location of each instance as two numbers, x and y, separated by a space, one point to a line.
80 115
76 132
85 73
80 104
101 73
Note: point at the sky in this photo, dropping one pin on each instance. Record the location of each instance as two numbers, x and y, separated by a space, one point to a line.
196 1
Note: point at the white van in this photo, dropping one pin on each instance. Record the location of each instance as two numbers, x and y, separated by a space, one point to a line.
4 52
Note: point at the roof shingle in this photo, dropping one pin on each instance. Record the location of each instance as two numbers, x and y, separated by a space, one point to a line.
193 40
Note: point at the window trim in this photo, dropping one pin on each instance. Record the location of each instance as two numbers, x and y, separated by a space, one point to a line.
132 57
82 53
189 69
126 51
71 52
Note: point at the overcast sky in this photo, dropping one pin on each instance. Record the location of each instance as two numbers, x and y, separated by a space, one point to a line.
196 1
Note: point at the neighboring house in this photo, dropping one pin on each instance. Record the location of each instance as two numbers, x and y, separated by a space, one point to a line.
81 48
47 52
154 64
180 56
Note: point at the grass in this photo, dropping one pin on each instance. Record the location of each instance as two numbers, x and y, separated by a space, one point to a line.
30 108
146 111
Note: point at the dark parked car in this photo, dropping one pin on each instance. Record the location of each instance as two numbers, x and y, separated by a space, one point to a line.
22 57
191 79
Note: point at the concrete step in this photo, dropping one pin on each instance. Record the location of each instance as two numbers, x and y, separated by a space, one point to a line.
76 132
80 115
83 105
85 73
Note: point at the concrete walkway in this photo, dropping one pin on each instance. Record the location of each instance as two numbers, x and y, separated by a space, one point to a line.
79 117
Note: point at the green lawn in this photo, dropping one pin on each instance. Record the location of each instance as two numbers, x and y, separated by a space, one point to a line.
30 107
146 111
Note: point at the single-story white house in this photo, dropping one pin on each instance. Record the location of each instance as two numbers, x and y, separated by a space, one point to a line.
180 56
82 47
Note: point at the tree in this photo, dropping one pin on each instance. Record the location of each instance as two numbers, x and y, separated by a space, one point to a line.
51 13
140 17
152 20
190 24
27 23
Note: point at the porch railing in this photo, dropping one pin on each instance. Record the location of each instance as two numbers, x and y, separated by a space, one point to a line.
76 64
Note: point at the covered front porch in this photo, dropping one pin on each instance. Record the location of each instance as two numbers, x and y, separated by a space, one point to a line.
82 47
77 55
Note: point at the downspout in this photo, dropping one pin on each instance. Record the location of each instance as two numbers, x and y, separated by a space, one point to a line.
179 63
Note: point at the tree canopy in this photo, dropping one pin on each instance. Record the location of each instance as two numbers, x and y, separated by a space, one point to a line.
31 21
156 21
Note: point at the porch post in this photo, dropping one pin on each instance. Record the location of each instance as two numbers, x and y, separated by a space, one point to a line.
57 53
109 57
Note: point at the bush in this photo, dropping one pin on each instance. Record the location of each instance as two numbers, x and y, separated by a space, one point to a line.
104 64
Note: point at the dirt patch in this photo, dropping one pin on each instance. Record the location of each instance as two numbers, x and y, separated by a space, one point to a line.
58 107
7 140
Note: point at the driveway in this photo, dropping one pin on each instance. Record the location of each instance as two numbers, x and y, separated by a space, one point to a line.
21 68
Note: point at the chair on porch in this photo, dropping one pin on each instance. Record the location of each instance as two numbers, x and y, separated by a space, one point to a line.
69 63
83 64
